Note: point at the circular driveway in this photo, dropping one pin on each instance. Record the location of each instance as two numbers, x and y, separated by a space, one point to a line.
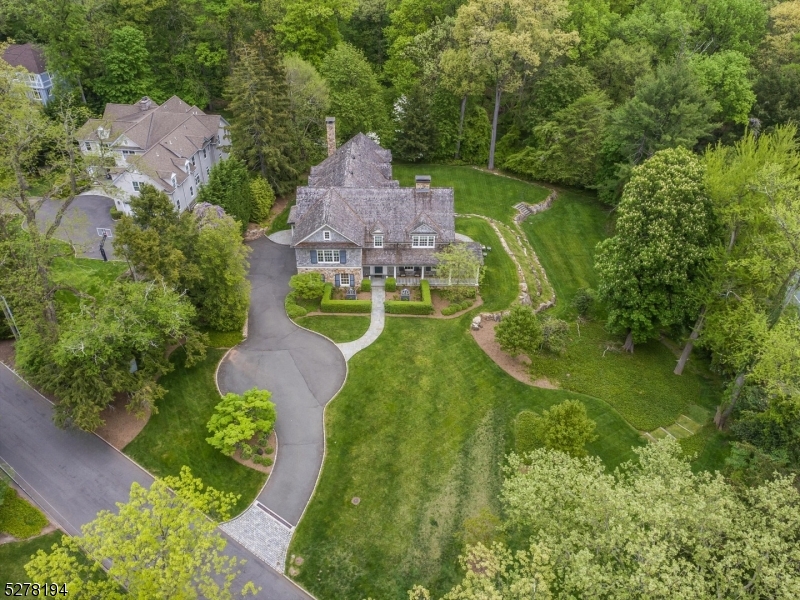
303 371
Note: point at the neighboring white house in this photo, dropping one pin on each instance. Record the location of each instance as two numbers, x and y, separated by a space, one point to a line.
30 58
171 147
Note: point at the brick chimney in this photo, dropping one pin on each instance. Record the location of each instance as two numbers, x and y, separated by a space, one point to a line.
330 125
422 182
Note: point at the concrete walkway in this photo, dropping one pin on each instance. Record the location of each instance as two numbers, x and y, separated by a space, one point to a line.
376 323
303 370
284 237
73 475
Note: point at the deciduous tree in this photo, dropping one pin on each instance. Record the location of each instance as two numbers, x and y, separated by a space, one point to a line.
566 428
127 74
519 332
237 418
309 99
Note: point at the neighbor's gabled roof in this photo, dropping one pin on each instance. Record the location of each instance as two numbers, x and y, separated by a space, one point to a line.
168 134
27 56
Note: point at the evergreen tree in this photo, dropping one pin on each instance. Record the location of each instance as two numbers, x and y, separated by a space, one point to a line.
259 101
416 131
229 187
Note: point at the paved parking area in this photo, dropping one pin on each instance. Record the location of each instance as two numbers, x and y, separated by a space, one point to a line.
81 222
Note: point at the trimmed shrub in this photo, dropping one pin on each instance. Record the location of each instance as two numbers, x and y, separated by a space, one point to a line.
554 335
292 308
391 284
519 332
583 301
342 306
308 286
18 518
525 439
263 199
425 307
366 285
566 427
116 214
264 461
454 308
246 452
237 418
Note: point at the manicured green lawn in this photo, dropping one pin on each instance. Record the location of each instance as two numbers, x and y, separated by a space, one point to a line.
15 555
339 329
564 238
500 283
224 339
90 276
476 191
419 433
176 435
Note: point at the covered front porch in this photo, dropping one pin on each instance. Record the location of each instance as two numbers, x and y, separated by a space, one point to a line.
412 276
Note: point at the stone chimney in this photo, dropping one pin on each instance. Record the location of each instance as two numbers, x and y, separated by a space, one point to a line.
144 103
423 182
330 125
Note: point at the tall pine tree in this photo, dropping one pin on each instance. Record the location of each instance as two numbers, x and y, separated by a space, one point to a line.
259 102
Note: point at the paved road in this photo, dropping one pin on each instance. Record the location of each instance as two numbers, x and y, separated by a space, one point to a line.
74 474
302 370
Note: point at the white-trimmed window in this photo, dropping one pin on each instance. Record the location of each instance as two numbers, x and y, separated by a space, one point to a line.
137 185
88 146
193 159
191 191
197 178
423 241
377 241
344 279
208 171
127 153
327 256
204 152
326 235
37 95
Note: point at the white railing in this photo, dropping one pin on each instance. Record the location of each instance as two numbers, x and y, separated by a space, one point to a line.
434 281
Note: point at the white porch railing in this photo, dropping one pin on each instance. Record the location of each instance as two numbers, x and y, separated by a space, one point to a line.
433 282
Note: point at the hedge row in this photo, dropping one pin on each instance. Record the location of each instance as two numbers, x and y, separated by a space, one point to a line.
293 309
454 308
391 284
399 307
343 306
366 285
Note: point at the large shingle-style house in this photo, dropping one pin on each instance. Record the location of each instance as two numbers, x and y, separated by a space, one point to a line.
31 59
354 221
171 147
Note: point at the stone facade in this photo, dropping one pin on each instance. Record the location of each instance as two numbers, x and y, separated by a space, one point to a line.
330 273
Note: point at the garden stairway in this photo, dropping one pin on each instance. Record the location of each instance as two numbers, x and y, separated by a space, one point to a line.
685 426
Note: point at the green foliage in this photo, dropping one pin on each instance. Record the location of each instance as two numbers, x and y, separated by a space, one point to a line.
415 139
520 332
458 264
14 555
223 294
308 286
19 518
661 511
91 360
454 308
308 104
178 552
618 67
356 97
310 27
229 187
176 436
127 75
264 461
262 200
390 284
342 306
525 432
420 307
224 339
366 285
726 76
583 301
293 310
238 418
565 428
214 503
650 269
555 334
116 214
259 101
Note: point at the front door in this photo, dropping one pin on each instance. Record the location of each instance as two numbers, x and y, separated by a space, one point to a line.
377 271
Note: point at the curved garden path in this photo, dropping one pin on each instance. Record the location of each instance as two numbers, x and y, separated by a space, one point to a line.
303 370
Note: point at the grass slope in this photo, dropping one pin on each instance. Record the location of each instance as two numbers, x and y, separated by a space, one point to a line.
500 284
90 276
15 555
418 433
176 435
339 329
476 191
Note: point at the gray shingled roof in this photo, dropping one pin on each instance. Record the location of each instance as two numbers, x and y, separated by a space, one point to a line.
27 56
360 163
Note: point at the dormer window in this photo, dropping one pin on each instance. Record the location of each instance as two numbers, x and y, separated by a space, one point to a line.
326 235
377 241
423 241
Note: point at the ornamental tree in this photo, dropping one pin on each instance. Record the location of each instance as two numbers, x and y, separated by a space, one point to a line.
565 427
238 418
158 545
650 269
520 332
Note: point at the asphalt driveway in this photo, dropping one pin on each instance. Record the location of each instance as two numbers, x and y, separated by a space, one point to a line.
81 222
302 370
73 475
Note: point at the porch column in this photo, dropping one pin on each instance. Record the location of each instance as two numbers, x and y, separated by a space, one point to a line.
422 268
